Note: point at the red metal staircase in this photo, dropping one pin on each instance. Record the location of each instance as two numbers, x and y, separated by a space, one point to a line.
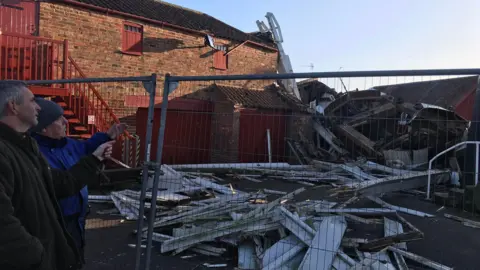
88 111
25 57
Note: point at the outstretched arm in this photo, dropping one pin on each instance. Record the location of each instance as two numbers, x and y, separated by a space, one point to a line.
70 182
95 141
85 172
99 138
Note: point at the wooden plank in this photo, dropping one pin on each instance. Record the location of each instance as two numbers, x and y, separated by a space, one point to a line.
379 244
325 244
381 113
358 140
48 91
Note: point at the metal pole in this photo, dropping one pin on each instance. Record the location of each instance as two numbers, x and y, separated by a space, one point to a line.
65 74
161 135
269 145
92 80
148 142
473 135
477 148
334 74
429 179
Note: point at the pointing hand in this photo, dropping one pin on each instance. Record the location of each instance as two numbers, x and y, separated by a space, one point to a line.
104 151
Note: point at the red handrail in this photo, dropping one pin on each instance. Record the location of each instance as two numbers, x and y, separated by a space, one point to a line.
11 34
104 126
25 57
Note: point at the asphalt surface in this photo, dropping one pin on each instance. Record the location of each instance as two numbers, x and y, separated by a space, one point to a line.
445 241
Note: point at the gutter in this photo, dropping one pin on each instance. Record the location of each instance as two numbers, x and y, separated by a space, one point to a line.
128 15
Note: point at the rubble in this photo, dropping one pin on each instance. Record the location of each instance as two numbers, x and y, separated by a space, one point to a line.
366 145
372 125
201 212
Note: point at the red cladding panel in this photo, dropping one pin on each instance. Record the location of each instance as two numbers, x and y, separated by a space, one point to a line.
465 107
187 133
252 145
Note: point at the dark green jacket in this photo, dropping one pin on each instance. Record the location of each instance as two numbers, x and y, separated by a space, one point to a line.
32 231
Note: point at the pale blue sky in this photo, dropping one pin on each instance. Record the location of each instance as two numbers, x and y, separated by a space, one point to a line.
363 34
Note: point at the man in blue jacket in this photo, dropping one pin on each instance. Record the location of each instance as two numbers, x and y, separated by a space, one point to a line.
62 153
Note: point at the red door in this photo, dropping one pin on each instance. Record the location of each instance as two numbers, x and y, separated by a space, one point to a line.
16 58
252 141
19 18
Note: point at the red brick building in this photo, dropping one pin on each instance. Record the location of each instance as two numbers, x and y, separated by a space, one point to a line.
66 39
108 38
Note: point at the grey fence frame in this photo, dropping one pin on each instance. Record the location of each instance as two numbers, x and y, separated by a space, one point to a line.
150 85
171 83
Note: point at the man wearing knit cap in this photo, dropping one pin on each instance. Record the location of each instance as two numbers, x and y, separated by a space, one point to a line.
33 233
62 153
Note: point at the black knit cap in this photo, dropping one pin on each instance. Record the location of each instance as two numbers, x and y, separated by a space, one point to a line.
49 113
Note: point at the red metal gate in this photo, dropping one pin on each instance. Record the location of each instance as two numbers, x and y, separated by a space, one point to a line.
252 143
187 132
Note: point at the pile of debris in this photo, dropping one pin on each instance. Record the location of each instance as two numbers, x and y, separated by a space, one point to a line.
380 128
201 211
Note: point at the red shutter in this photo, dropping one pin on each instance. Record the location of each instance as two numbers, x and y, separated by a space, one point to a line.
132 38
220 60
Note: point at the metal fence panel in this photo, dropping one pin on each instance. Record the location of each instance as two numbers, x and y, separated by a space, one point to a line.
253 178
93 105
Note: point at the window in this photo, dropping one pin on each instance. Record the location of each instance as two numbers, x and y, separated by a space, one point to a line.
132 38
220 60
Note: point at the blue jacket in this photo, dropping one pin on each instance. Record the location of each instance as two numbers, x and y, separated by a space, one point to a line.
63 154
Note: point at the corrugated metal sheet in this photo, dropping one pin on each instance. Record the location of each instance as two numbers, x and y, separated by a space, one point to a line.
187 132
252 140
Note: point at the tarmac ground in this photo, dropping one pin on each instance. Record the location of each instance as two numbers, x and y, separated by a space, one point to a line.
110 239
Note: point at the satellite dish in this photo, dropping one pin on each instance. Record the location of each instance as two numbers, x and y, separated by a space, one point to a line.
209 41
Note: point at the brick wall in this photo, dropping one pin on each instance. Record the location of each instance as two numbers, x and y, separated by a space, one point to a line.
95 44
224 128
224 138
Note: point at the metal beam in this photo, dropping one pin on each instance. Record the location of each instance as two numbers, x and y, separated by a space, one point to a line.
91 80
335 74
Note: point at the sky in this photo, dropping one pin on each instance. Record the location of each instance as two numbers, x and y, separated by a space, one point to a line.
362 34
